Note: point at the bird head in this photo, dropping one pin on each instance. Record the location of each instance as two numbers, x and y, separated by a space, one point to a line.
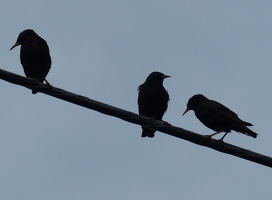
156 77
24 36
193 102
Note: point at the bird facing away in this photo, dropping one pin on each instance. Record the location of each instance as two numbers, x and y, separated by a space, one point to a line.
217 117
34 55
152 99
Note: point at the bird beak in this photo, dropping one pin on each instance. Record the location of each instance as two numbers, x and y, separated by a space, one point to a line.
15 45
165 76
187 109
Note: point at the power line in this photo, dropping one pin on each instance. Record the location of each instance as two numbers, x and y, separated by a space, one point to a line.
136 119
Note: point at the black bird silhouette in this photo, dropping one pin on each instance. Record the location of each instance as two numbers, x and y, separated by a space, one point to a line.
217 117
152 99
34 55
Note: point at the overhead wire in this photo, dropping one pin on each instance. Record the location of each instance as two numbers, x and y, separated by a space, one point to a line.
136 119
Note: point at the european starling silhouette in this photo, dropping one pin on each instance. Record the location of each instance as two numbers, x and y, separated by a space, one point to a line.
217 117
34 55
152 99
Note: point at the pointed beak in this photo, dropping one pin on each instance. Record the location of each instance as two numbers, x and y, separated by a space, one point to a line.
15 45
165 76
187 109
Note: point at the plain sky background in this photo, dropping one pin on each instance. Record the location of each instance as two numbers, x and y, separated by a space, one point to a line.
51 149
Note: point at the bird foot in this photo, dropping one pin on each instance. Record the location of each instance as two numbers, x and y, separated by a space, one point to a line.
37 80
47 83
210 137
33 79
166 123
221 141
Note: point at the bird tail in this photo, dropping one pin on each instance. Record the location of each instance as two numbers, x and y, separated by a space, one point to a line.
246 130
148 133
252 133
249 132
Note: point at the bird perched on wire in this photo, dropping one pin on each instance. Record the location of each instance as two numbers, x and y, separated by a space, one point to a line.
34 55
217 117
152 99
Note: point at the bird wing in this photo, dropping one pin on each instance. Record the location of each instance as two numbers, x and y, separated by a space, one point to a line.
141 100
219 109
140 94
223 112
152 101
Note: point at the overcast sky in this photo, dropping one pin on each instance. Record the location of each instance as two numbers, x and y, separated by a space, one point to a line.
51 149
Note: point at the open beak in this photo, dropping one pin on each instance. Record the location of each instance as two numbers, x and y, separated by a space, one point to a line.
187 109
165 76
15 45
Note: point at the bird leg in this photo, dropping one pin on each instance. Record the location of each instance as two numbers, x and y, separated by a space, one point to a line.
48 84
221 140
210 136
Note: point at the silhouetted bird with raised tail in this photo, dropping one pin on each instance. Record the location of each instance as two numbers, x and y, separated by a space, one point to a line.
34 55
152 99
217 117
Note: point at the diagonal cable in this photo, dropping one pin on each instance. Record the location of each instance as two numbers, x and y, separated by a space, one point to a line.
136 119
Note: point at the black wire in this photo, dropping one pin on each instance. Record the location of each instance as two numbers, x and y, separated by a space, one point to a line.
137 119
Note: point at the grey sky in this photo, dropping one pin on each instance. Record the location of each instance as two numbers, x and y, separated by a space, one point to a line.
50 149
